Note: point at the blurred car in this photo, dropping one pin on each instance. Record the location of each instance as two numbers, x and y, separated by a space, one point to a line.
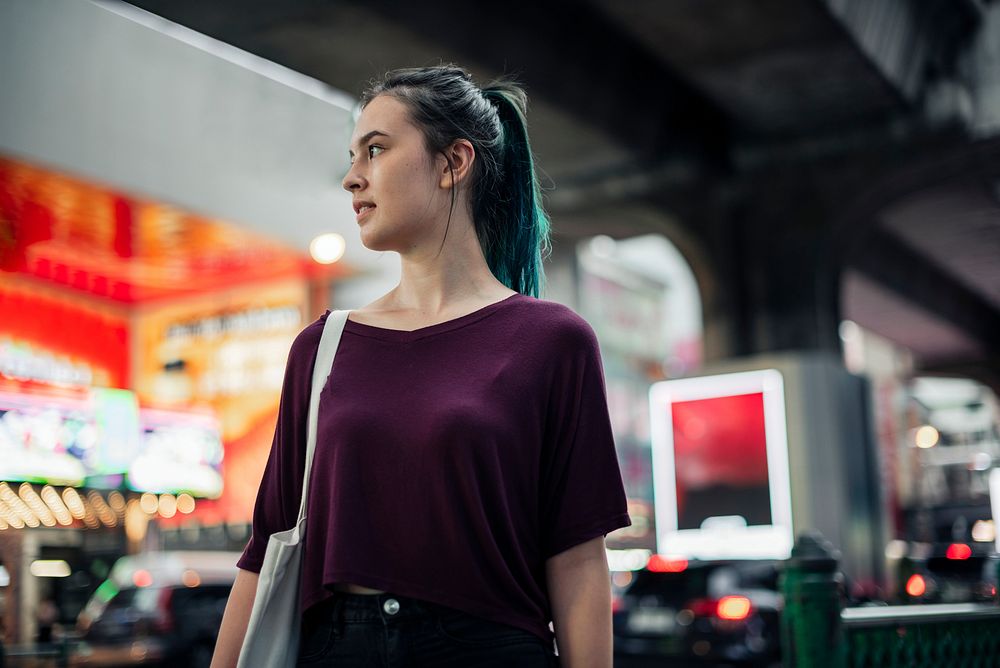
710 613
159 609
948 573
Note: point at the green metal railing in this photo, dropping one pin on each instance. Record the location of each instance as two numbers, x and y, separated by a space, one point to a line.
923 635
817 632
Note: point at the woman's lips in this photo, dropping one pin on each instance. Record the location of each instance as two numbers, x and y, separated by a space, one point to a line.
364 213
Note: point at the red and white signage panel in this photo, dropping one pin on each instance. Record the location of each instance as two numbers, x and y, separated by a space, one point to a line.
720 467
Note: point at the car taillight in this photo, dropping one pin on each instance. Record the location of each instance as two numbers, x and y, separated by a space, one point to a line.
164 622
659 563
729 608
958 551
916 585
617 603
733 608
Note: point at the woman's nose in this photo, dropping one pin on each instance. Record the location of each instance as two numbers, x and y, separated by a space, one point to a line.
353 180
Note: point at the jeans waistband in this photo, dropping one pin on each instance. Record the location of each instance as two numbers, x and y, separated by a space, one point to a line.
387 607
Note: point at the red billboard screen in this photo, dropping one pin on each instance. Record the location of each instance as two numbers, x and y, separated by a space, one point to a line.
720 454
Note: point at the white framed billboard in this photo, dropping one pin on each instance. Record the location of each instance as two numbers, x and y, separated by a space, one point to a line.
720 466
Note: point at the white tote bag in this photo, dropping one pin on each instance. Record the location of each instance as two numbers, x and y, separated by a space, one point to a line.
272 637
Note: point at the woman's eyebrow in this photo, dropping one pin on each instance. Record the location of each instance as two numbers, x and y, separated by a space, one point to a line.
369 135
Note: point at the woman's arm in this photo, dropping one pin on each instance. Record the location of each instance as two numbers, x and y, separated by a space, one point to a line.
580 592
235 620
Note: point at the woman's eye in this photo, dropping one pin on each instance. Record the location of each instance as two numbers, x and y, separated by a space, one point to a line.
374 147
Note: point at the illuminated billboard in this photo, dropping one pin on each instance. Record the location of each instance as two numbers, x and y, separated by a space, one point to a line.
720 466
181 452
97 437
84 438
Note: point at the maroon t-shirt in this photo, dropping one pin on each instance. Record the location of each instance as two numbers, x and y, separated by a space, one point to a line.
451 460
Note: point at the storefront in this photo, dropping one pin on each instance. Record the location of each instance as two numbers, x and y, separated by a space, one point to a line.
142 351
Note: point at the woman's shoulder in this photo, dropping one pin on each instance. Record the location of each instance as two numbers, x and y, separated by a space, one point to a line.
306 342
558 323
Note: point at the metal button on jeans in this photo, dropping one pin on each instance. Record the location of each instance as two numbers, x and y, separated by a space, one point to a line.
391 606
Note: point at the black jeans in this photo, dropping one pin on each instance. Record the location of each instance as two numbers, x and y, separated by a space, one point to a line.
391 631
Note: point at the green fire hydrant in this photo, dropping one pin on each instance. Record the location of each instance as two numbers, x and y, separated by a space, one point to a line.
812 586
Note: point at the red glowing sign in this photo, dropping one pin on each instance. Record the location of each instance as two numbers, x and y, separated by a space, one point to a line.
720 456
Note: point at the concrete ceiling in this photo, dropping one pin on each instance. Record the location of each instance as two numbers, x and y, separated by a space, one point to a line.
761 61
956 226
932 338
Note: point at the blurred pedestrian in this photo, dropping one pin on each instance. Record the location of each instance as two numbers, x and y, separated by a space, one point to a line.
465 472
47 615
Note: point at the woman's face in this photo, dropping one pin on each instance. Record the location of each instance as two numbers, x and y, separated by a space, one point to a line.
393 174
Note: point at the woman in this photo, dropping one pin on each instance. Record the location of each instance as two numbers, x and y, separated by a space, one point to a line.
465 474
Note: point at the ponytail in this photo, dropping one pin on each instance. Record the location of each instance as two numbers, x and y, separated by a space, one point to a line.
518 239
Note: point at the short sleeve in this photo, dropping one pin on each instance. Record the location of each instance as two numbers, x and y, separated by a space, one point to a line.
280 491
581 491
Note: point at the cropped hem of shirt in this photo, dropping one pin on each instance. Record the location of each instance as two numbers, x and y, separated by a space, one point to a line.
247 563
430 595
451 461
588 531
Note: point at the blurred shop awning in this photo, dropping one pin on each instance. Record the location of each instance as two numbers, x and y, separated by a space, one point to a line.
120 97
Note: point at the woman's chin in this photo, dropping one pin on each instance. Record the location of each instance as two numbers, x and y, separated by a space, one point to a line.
375 243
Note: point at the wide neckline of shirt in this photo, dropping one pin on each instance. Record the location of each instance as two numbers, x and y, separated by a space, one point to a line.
402 335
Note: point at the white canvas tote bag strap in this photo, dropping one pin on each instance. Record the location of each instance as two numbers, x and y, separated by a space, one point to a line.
329 342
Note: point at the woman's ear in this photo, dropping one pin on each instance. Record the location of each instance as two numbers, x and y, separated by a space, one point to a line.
460 156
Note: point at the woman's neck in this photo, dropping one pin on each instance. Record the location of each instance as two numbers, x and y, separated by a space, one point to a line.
432 282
